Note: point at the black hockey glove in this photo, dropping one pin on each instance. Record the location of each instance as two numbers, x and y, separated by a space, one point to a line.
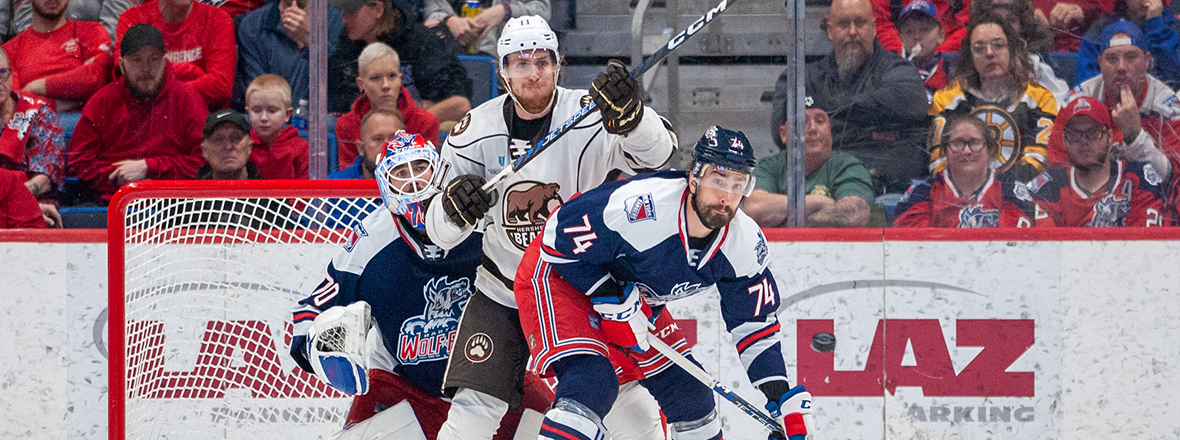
464 201
617 97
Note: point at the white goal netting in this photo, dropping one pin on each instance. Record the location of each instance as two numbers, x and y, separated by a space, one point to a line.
203 278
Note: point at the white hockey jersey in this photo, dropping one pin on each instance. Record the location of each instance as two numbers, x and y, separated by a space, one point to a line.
578 161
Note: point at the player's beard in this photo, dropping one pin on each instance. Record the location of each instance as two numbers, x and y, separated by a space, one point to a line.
708 218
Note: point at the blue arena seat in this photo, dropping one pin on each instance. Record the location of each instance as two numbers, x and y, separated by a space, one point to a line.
68 121
84 218
482 70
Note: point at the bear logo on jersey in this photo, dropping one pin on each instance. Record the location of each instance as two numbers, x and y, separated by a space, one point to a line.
526 206
461 127
1110 212
640 208
1004 130
975 216
428 336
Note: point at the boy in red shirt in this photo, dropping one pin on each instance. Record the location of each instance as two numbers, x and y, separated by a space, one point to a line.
200 42
278 151
61 59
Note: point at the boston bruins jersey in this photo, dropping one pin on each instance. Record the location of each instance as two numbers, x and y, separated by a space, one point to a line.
580 160
1023 127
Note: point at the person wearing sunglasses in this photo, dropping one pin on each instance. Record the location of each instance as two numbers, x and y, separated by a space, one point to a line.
1097 190
994 81
968 193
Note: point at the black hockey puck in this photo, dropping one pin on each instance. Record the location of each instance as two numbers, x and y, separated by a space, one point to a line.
823 342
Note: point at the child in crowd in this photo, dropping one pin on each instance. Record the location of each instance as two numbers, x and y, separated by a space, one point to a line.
278 151
921 35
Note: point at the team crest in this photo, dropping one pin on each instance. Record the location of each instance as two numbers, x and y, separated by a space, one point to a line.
821 190
1004 129
1150 175
1036 184
428 337
358 231
526 206
976 217
760 249
478 348
1022 192
1110 212
584 101
640 208
461 127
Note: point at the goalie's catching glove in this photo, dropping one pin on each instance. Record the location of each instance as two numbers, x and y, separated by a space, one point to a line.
464 201
617 97
338 350
791 408
624 315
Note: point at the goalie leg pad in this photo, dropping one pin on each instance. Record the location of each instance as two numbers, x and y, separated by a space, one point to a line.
473 416
705 428
571 420
397 421
338 347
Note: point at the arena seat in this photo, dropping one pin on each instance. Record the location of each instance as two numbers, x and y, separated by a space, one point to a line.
482 70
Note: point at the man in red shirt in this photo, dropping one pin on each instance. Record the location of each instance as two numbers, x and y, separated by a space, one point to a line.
278 150
146 125
18 207
951 14
200 42
1097 191
380 82
61 59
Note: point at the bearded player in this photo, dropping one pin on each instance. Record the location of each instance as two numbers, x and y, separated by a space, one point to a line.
485 375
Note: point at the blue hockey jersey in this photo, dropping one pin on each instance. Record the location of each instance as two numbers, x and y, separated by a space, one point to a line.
416 292
636 231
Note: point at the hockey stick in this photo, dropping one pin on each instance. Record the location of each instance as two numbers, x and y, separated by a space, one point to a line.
703 376
647 64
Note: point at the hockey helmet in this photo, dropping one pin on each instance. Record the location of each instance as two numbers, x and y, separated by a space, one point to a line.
729 151
527 33
408 172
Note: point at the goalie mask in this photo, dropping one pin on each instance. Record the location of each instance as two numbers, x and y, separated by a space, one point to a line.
409 172
727 151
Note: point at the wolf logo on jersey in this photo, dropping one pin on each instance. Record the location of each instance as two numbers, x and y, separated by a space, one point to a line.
428 336
1111 211
975 216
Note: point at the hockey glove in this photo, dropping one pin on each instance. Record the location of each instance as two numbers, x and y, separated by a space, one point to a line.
338 349
624 317
792 409
617 97
464 201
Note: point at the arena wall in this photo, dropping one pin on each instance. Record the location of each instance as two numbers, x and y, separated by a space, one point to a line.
1017 334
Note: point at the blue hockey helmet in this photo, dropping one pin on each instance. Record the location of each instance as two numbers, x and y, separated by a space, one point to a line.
726 150
408 172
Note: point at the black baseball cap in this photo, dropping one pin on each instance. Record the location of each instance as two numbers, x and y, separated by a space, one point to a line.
225 116
140 36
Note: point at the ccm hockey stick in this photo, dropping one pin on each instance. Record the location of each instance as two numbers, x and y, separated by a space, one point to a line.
703 376
647 64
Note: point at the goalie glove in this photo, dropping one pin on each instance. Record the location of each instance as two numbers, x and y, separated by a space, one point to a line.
617 96
338 349
464 201
792 409
624 315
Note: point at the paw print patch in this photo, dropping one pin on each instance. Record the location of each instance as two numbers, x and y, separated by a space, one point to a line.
478 348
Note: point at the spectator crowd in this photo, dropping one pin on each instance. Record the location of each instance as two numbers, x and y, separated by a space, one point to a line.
926 113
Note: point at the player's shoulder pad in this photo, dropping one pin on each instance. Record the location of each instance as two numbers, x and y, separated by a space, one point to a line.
745 246
479 123
644 210
367 238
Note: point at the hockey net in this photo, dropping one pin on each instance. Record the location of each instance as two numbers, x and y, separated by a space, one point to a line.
203 276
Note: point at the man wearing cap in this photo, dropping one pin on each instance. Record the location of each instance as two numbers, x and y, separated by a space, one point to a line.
200 44
875 99
226 147
921 35
431 71
837 186
1156 28
1097 190
145 125
1145 112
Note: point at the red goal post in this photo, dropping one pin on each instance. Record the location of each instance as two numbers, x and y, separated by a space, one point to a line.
202 278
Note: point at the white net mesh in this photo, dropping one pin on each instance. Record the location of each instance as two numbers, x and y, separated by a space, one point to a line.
209 286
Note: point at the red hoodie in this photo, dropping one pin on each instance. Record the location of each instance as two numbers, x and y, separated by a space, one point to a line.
954 25
60 58
203 47
286 159
115 126
18 207
348 126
